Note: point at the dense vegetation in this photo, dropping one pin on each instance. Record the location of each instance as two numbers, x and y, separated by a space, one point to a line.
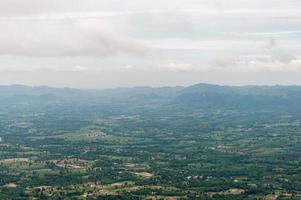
198 142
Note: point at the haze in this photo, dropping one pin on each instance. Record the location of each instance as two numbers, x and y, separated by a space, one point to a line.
113 43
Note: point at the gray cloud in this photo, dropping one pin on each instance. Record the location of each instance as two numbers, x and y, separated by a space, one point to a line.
271 56
64 38
278 53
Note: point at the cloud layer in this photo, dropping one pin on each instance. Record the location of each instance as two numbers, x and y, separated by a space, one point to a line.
63 38
139 36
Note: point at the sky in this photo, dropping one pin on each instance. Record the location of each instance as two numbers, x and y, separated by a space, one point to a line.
124 43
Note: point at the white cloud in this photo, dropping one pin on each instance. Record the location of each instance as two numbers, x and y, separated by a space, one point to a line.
79 68
176 67
128 67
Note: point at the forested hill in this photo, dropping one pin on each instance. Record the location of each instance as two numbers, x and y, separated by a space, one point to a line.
199 96
275 98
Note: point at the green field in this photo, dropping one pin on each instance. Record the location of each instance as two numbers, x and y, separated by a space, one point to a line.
152 144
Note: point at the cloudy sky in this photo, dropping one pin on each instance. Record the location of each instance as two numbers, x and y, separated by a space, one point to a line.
112 43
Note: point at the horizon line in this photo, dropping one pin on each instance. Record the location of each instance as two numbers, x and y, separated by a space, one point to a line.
152 87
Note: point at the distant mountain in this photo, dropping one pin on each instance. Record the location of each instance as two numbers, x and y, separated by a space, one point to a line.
41 90
244 97
196 97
